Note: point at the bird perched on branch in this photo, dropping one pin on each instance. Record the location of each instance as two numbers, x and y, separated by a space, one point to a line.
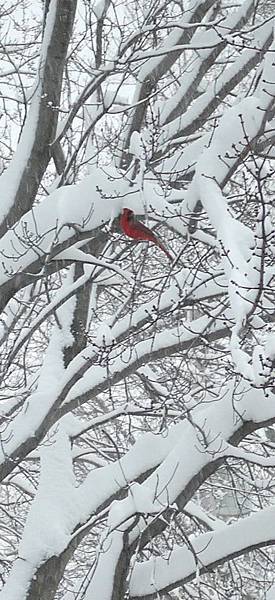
137 231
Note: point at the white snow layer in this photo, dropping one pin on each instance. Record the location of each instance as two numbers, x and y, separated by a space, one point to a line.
157 574
10 179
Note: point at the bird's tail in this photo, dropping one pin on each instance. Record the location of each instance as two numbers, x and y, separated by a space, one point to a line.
162 247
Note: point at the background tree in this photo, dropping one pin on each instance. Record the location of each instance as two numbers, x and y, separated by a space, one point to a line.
137 394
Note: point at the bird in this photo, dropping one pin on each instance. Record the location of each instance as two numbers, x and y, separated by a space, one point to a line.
137 231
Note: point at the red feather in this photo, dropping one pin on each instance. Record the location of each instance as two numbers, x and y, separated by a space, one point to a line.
137 231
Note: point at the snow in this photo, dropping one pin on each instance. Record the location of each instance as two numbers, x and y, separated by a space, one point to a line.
172 41
194 510
27 421
51 517
163 486
102 582
160 490
104 336
186 286
239 122
183 335
68 290
270 594
76 208
203 42
157 574
183 160
36 408
218 420
10 178
63 506
259 368
215 90
148 452
135 147
17 584
56 500
60 509
241 360
76 255
257 407
99 8
22 483
251 457
270 345
151 376
140 500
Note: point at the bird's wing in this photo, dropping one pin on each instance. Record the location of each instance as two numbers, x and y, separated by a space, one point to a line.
139 228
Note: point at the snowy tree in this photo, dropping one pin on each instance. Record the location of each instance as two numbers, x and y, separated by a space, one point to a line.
137 393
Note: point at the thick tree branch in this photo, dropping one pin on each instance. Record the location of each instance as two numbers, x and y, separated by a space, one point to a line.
50 74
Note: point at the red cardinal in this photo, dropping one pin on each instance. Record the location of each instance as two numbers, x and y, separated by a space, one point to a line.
136 230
